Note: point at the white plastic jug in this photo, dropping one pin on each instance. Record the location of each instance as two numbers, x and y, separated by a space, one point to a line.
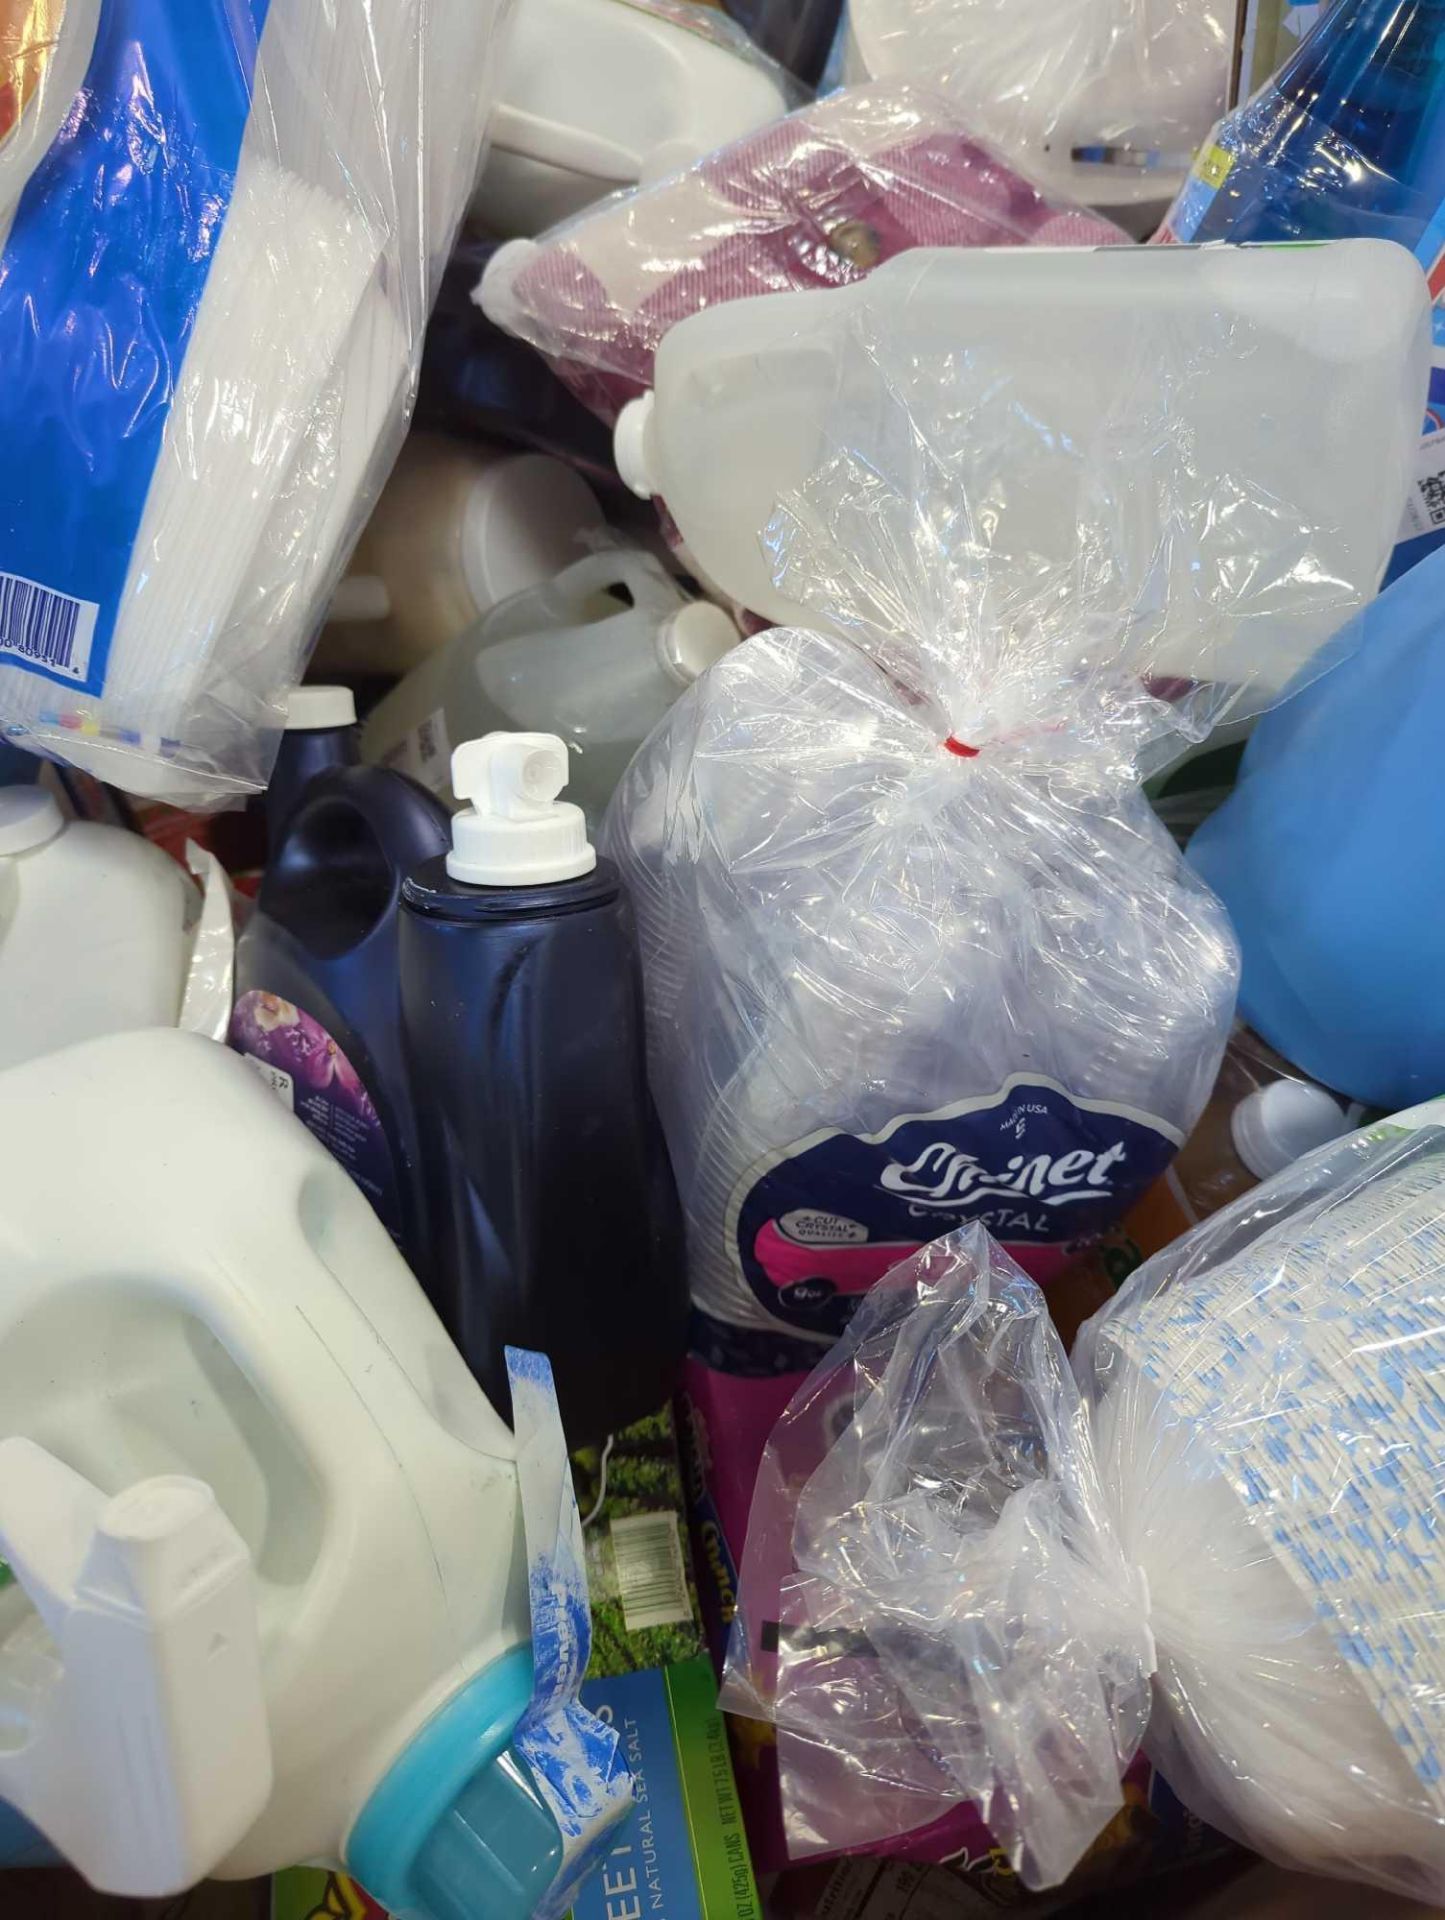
1103 101
458 528
1231 396
94 929
596 655
271 1590
598 95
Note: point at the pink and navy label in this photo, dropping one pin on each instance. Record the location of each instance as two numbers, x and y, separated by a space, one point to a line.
818 1224
310 1073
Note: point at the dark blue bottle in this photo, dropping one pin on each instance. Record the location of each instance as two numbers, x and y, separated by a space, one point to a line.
553 1215
318 1003
321 733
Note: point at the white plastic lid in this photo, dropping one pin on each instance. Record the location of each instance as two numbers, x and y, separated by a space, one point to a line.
29 816
629 445
308 709
523 522
514 831
690 640
1273 1126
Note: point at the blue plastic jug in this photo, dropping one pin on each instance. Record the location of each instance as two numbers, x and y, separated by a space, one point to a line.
1329 854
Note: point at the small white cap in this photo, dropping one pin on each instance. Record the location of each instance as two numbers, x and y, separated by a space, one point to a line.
29 816
629 446
310 708
1275 1125
492 290
690 640
524 519
515 832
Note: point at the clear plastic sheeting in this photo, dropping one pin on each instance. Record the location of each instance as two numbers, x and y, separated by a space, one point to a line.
916 952
1104 101
213 289
932 1605
971 1578
815 200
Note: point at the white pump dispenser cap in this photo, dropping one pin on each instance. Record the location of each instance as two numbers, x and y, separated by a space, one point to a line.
514 831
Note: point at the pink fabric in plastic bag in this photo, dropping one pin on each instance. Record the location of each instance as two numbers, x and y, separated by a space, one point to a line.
817 199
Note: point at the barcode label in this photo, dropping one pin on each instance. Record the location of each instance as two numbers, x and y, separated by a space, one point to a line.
51 629
1425 504
425 753
651 1572
276 1078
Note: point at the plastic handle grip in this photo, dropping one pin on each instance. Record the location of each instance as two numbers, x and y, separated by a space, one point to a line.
148 1754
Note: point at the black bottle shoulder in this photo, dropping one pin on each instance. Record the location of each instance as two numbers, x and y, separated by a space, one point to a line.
430 890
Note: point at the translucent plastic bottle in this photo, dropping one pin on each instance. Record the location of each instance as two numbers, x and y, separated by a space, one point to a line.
94 929
271 1595
1347 139
596 655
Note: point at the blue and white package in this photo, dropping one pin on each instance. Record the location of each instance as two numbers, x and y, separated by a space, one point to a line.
574 1757
222 225
1220 1538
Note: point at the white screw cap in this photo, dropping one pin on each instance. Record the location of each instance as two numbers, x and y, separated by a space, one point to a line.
630 450
514 831
1276 1125
311 707
29 816
690 640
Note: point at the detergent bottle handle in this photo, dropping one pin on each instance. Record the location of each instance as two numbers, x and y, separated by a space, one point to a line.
148 1753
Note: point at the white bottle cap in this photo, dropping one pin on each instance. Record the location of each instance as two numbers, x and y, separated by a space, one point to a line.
629 446
524 519
690 640
29 816
515 832
1273 1126
308 709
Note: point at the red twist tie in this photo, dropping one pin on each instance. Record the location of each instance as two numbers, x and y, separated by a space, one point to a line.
964 751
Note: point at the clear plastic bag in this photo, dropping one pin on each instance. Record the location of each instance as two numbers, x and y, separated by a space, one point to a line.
818 199
916 952
214 281
975 1579
1103 101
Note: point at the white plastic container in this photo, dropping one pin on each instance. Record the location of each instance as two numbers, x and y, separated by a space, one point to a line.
271 1599
458 528
95 929
598 94
1257 390
596 655
1103 101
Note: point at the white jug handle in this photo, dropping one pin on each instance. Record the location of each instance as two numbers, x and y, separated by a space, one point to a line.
147 1756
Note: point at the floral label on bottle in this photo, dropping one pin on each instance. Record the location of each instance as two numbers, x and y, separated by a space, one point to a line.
309 1072
818 1224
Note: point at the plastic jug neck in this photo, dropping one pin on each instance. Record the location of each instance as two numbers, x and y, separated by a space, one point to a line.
515 832
456 1828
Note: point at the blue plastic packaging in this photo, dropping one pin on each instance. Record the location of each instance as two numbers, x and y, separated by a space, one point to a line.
318 1003
1347 139
554 1216
1329 855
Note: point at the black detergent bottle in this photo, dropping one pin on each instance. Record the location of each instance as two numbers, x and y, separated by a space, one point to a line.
554 1222
321 733
317 975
